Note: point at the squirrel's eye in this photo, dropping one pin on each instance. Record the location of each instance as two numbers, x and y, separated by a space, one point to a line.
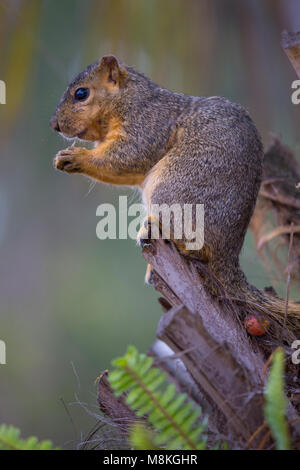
81 94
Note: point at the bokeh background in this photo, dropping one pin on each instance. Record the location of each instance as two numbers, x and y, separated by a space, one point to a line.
69 302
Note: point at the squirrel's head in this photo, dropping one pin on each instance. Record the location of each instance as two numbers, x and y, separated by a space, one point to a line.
89 101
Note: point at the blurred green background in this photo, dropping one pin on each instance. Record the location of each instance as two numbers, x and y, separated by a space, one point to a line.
70 302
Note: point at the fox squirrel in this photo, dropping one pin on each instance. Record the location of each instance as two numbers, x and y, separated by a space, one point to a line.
177 149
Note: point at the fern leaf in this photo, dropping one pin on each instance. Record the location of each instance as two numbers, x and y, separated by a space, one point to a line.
10 440
276 402
171 416
142 438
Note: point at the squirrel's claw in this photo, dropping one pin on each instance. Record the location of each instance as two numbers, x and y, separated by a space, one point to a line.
145 233
69 160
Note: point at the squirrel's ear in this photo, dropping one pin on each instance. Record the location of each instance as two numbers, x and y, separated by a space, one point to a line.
109 65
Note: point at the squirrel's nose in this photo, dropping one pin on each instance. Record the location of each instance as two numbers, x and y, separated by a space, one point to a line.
54 124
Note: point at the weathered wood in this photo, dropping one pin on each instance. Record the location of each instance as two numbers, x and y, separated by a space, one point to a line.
235 403
220 359
291 45
221 362
179 281
177 372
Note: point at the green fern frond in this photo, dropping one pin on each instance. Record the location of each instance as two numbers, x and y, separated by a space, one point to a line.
10 440
142 438
276 402
169 413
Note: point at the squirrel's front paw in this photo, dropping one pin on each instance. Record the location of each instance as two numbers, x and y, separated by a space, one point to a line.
70 159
